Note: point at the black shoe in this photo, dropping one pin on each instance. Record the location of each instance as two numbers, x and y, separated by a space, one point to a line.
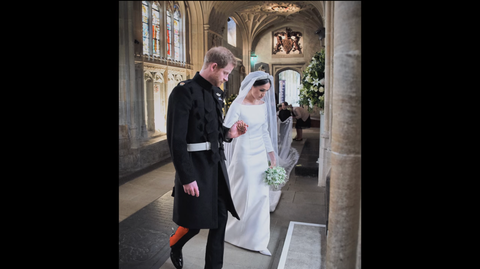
177 258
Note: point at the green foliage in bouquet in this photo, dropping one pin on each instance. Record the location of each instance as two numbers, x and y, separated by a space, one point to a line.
229 101
312 87
275 176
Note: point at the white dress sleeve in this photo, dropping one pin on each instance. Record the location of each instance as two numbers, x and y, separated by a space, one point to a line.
232 116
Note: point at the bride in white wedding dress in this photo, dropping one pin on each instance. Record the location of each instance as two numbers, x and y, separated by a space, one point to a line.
247 160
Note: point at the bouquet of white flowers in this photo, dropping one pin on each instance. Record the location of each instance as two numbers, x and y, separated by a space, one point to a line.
312 87
275 176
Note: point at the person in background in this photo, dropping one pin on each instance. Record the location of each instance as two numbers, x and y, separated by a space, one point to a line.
303 121
284 113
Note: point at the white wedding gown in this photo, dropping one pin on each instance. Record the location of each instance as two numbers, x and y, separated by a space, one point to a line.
246 171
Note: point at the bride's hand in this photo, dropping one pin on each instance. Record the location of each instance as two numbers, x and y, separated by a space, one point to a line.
238 128
273 159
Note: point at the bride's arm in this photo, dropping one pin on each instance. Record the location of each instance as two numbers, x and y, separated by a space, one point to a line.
268 144
273 161
233 127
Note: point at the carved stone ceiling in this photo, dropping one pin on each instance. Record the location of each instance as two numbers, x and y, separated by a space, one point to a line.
257 16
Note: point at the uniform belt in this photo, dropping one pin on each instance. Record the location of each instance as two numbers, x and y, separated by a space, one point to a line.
199 146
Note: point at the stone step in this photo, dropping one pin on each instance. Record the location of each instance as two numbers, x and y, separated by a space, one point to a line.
307 163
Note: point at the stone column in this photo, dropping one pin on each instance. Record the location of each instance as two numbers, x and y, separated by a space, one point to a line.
148 80
205 36
359 246
128 128
344 216
197 36
123 98
141 101
127 70
324 155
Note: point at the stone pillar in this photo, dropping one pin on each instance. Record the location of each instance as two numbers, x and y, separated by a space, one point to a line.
126 76
324 154
129 109
205 36
359 246
197 36
148 80
344 215
141 118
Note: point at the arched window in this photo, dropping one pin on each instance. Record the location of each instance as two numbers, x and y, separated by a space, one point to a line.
174 30
145 12
232 32
169 34
160 19
156 30
176 33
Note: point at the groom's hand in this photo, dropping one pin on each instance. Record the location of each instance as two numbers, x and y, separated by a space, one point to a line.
191 189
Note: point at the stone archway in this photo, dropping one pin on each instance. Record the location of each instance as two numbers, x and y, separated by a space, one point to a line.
196 35
278 68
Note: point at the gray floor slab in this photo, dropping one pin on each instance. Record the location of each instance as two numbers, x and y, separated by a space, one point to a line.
303 246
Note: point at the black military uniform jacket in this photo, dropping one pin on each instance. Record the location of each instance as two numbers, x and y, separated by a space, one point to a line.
195 115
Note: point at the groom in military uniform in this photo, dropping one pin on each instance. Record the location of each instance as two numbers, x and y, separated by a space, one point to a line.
195 135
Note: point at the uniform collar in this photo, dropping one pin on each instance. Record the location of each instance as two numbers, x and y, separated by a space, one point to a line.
202 82
207 85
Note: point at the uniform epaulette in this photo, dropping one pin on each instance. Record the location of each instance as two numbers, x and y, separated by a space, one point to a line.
182 83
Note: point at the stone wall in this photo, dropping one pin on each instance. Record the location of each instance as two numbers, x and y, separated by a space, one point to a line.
148 153
138 146
277 63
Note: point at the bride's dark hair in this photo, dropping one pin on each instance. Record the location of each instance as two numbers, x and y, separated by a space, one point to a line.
262 82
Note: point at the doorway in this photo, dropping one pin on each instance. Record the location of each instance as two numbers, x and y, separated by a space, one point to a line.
288 87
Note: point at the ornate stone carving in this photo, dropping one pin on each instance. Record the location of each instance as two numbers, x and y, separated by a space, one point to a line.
148 76
262 67
242 69
178 77
214 41
175 77
276 7
287 40
158 77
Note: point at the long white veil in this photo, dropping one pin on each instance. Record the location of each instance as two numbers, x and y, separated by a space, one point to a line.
269 100
287 155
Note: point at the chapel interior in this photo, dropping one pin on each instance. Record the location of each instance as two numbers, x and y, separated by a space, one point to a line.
162 43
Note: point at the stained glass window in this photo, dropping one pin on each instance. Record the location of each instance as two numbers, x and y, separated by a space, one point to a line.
156 29
169 33
176 40
153 39
145 26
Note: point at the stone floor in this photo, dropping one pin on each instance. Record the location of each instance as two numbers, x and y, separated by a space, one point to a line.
297 231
